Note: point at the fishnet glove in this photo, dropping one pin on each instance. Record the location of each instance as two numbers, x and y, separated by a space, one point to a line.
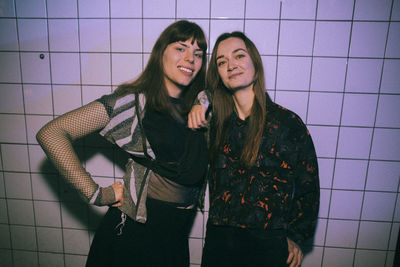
56 139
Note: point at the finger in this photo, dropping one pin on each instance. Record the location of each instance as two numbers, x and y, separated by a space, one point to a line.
290 258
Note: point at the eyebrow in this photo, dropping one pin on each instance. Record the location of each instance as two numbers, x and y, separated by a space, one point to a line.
185 45
234 51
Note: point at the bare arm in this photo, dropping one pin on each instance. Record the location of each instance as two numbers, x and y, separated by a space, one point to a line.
56 139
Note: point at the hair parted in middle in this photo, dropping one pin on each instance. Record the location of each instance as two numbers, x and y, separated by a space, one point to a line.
151 81
223 104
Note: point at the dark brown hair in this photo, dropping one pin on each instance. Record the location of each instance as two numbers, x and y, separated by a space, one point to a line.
151 80
223 104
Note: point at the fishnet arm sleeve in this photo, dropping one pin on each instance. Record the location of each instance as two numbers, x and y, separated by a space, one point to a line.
56 139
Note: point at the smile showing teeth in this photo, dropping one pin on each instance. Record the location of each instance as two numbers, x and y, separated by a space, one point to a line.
186 70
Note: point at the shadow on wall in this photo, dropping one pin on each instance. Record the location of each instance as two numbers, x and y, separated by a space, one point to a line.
80 214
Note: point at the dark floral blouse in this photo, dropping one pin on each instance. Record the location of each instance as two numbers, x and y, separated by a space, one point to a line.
281 190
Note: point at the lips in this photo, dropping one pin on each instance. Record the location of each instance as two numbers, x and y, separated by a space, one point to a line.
186 70
233 76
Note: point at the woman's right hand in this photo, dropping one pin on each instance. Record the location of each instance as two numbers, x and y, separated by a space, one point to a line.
118 188
197 117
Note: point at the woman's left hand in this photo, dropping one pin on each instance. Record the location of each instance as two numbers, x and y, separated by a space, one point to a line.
295 254
118 188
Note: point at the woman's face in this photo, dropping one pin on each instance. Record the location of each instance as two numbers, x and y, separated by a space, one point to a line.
181 61
234 63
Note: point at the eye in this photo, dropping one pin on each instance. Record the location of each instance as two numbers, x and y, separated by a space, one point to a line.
199 55
220 63
180 49
239 56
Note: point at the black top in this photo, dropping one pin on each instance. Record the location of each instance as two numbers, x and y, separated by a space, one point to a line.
281 190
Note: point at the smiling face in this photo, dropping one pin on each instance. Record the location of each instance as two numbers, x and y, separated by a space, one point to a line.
181 62
234 63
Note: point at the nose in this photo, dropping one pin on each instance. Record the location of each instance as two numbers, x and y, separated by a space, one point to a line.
189 56
232 65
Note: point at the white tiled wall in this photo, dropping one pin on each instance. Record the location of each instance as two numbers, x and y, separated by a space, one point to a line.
334 62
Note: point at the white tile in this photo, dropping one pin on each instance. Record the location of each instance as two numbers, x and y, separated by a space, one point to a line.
369 258
126 35
378 206
125 67
74 215
338 257
396 10
386 144
100 163
332 38
75 260
217 27
33 8
391 77
373 235
38 99
325 138
192 9
93 8
48 214
265 43
8 9
94 35
25 258
45 187
383 176
341 234
198 226
95 68
371 33
33 34
372 9
126 8
15 157
293 73
34 124
91 93
62 8
159 9
388 114
394 236
354 143
35 69
152 30
359 110
2 189
269 64
328 74
50 239
335 9
296 37
63 35
254 10
51 259
397 211
346 204
15 132
324 108
227 9
76 241
5 241
324 200
196 248
65 68
8 38
11 100
320 232
325 169
3 220
11 74
393 49
363 75
298 9
68 193
20 212
350 174
18 185
294 101
314 257
66 98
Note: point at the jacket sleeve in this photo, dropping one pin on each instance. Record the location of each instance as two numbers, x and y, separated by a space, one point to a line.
303 214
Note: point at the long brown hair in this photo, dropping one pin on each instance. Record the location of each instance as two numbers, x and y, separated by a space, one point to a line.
223 104
151 80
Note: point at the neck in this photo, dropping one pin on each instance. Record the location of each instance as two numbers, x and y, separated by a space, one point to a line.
244 101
